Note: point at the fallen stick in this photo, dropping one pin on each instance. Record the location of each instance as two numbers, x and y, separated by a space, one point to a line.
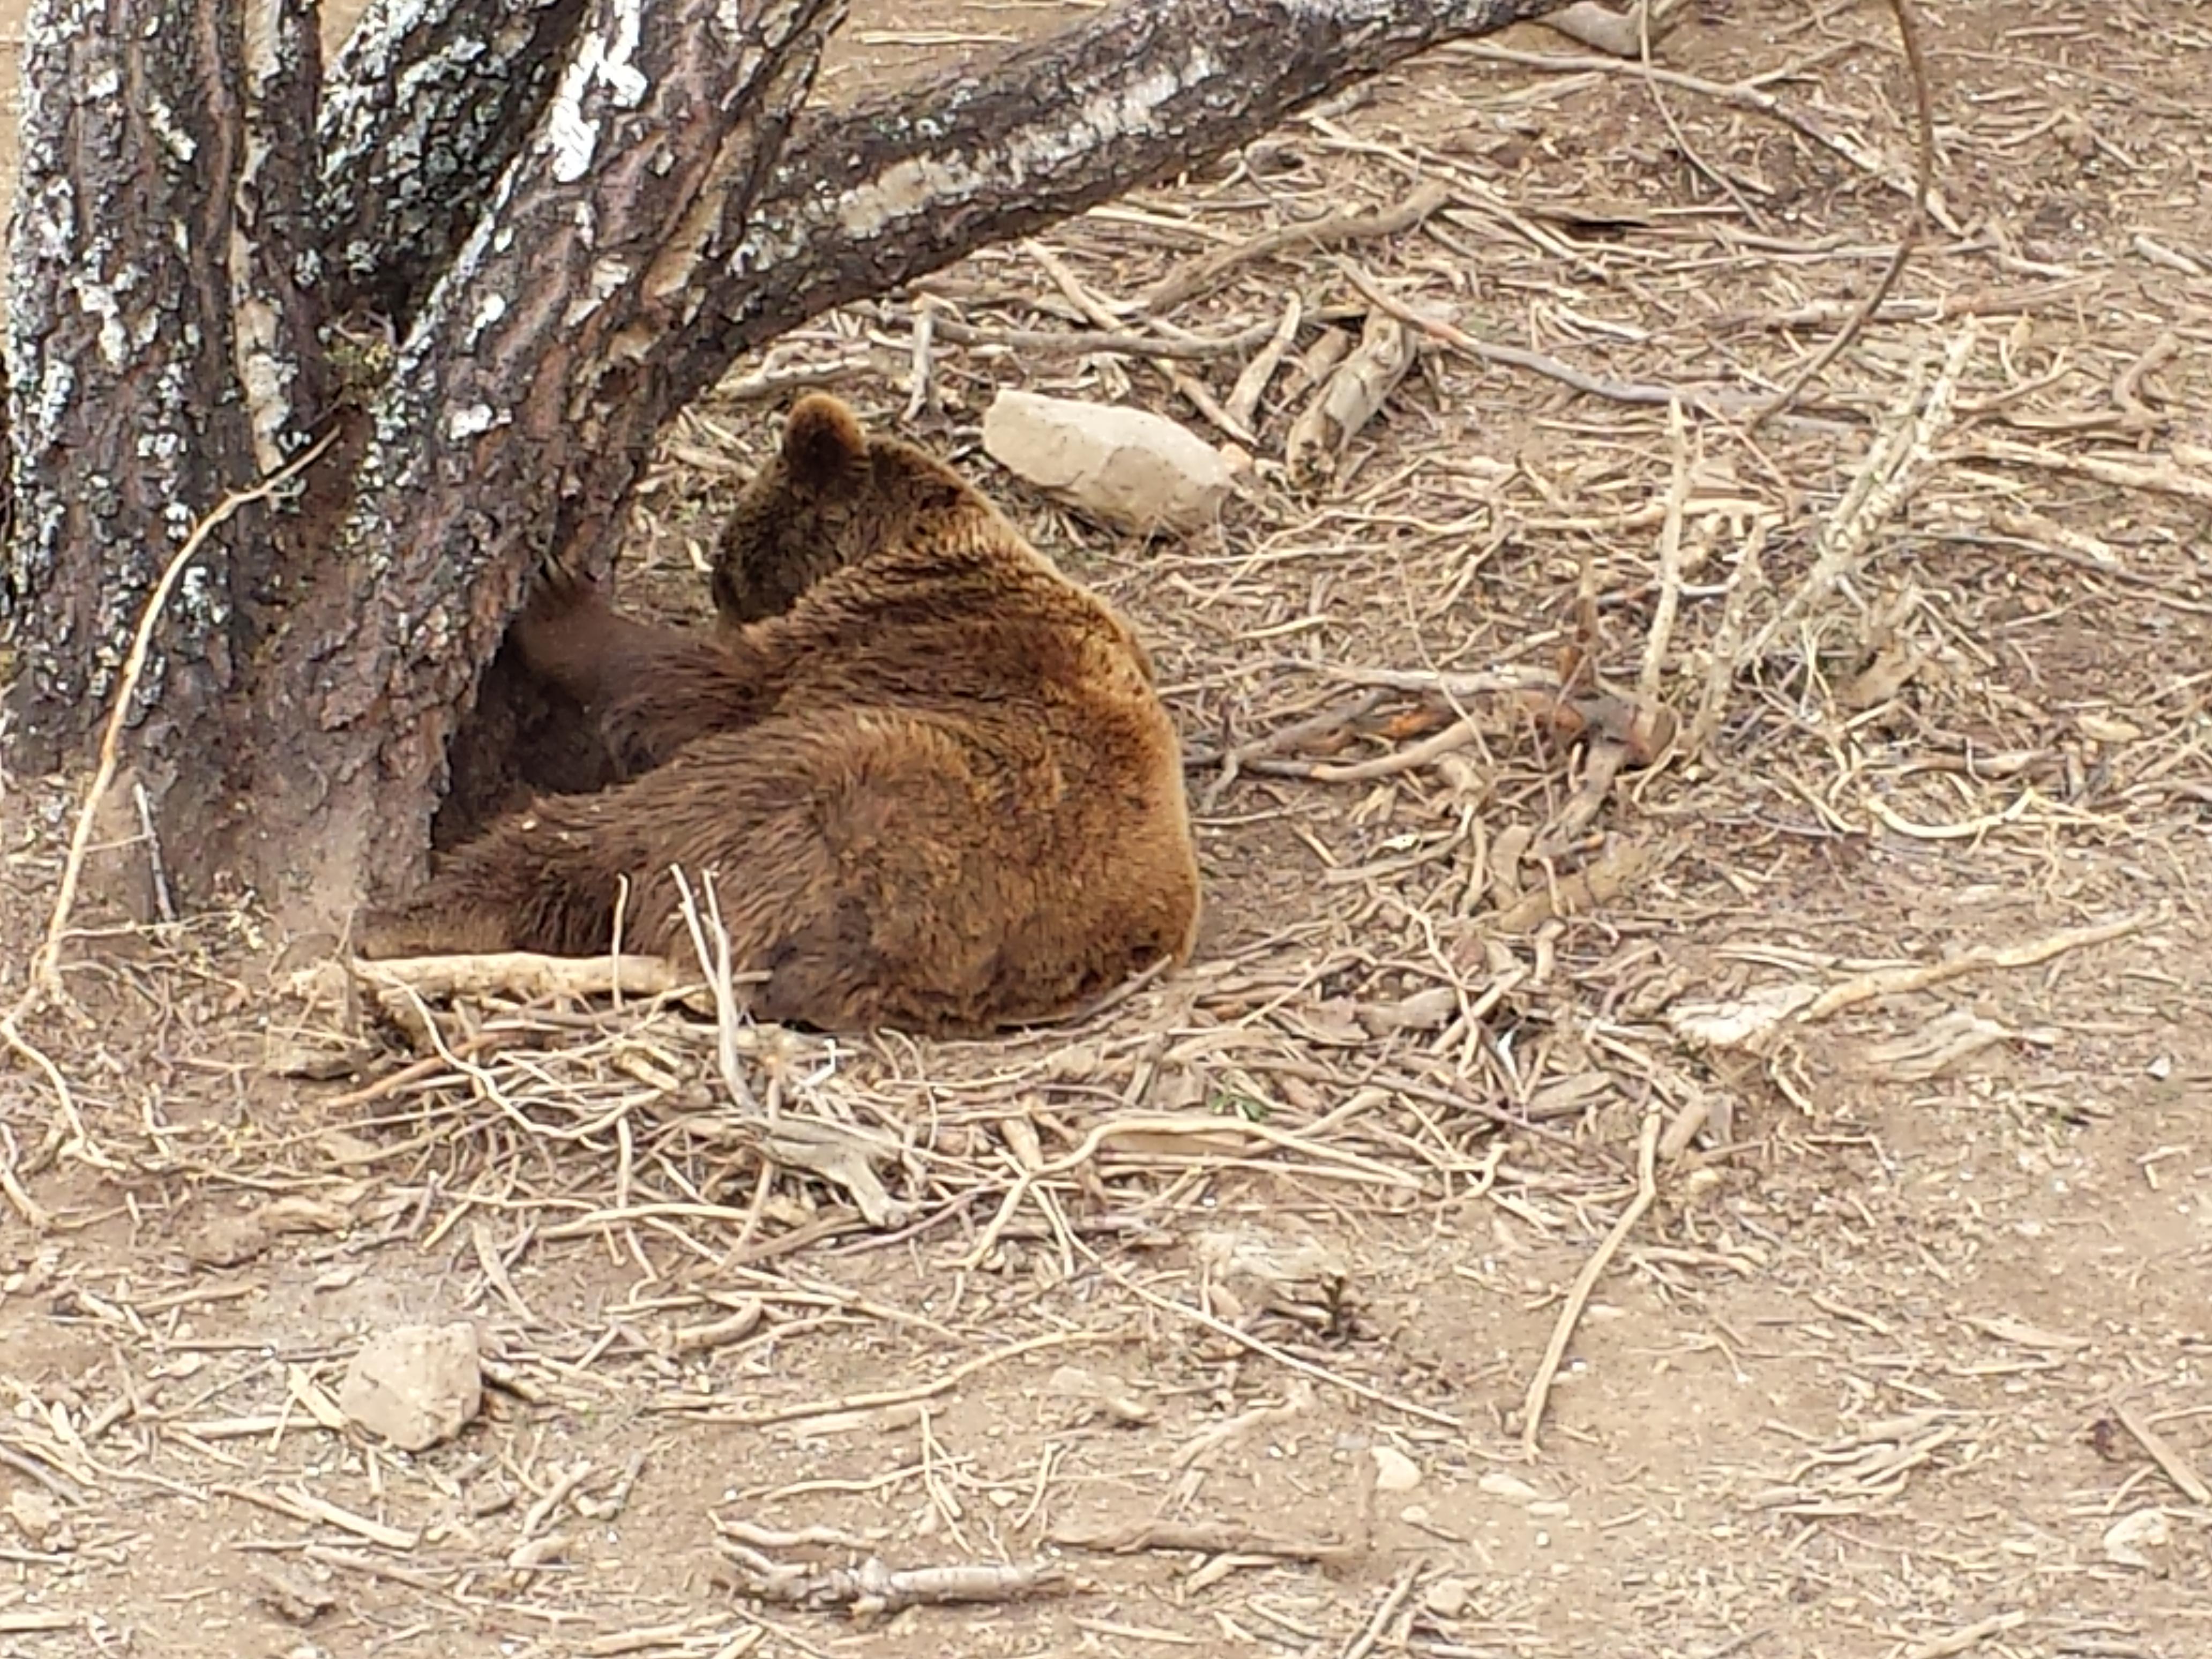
1091 342
1747 95
525 975
2167 480
2186 1479
874 1588
1243 404
1670 560
1890 982
1205 1538
1915 223
1201 274
1348 400
1709 399
1647 1192
1967 1636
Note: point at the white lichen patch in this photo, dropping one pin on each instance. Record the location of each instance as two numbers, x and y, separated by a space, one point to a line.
618 72
45 219
608 275
921 183
474 421
266 376
258 355
98 299
163 119
610 61
56 393
572 137
261 31
488 311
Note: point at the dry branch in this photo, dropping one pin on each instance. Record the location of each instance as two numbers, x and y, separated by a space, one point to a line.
1578 1295
1923 178
1896 462
2176 1468
1328 231
1710 399
524 975
873 1587
1205 1538
1749 95
1919 976
1243 404
1351 396
2165 478
903 185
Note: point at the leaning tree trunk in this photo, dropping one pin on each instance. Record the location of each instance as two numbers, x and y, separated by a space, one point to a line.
487 257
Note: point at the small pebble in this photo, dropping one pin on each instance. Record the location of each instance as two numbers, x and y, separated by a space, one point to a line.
1394 1470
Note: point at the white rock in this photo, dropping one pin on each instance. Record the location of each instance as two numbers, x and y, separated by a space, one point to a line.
1394 1470
35 1515
416 1385
1127 467
2135 1540
1448 1597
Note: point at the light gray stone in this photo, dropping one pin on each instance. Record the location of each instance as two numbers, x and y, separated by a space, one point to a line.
416 1385
1125 467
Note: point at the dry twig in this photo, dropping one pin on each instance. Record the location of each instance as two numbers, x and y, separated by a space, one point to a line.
1578 1294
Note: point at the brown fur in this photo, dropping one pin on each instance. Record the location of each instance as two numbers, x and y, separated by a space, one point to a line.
930 774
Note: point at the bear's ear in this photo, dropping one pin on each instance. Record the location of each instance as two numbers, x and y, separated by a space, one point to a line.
822 441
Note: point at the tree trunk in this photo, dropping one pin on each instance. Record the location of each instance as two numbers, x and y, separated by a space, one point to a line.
157 355
573 216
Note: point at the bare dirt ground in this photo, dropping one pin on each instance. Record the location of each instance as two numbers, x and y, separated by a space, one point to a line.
1872 1375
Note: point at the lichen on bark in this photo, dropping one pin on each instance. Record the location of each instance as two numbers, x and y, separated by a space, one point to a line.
124 415
428 103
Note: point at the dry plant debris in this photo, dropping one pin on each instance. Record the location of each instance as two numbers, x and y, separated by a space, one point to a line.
1703 961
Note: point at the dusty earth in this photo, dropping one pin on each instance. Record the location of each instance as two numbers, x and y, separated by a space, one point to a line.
1910 1353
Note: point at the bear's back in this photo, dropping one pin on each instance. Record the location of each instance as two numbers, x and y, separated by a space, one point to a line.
973 620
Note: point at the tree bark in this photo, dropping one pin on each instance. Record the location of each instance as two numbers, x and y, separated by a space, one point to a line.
577 214
906 184
159 355
430 102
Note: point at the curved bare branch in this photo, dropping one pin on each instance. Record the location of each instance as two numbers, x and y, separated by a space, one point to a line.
906 184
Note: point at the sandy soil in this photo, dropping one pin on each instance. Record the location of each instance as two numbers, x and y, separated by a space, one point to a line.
1867 1379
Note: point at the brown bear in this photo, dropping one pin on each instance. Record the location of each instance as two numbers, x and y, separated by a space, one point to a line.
930 774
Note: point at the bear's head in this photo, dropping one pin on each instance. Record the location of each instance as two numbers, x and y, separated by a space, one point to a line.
831 495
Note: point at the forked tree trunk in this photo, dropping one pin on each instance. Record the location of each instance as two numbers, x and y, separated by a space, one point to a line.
494 250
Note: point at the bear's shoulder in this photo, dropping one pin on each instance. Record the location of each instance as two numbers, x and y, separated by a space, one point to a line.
911 568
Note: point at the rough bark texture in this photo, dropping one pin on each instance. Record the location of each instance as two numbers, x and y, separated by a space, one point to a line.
578 213
911 181
429 102
154 328
275 265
